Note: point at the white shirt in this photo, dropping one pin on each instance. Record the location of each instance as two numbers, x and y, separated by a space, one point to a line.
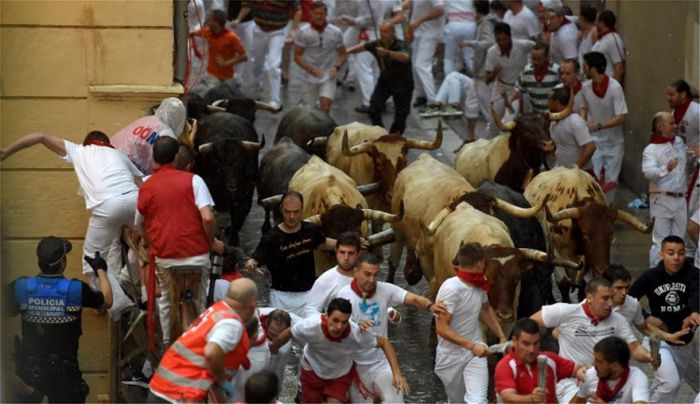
577 335
612 47
320 50
464 303
103 172
570 135
601 110
512 65
563 43
655 160
459 10
585 46
329 359
696 219
631 310
325 288
375 309
432 28
635 389
689 126
523 25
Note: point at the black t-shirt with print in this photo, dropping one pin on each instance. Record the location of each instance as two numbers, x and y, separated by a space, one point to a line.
290 257
671 298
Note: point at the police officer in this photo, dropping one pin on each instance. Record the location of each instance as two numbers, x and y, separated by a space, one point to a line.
51 305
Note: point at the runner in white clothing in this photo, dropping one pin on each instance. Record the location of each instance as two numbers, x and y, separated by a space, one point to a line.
563 40
332 340
326 286
574 144
610 44
523 22
460 358
613 380
425 32
371 300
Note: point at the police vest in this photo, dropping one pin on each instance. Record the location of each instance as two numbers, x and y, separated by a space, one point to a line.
49 300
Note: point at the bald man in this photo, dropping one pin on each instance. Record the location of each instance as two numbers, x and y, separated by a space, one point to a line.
663 164
213 348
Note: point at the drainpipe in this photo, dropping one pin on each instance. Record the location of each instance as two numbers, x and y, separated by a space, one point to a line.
180 36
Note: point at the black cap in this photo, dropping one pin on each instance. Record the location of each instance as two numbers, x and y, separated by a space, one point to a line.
51 251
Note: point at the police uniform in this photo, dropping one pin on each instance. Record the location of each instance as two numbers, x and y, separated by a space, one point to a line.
50 307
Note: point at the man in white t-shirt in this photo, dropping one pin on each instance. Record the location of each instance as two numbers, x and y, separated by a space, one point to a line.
610 44
371 300
326 286
320 53
612 379
570 77
332 340
563 40
574 144
523 22
109 183
460 357
425 31
504 62
604 108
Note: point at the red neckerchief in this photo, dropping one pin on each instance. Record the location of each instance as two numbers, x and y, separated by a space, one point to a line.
659 139
478 280
594 320
97 142
356 289
603 390
577 87
609 32
232 276
539 75
679 113
601 88
566 21
327 334
318 27
263 323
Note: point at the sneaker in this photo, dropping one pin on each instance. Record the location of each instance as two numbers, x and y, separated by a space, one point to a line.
137 380
420 101
451 110
362 109
430 111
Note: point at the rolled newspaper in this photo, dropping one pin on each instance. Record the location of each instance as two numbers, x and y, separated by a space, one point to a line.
654 345
541 371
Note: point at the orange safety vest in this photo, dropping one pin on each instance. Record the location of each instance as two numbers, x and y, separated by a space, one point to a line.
183 374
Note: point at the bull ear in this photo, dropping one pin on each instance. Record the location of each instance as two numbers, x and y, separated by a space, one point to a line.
205 148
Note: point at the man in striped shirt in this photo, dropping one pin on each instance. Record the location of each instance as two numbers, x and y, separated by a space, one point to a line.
537 80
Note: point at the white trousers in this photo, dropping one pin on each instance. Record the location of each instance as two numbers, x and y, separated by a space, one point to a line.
164 275
378 378
267 58
667 378
422 59
456 32
454 88
244 31
465 377
609 158
670 218
293 302
311 92
361 66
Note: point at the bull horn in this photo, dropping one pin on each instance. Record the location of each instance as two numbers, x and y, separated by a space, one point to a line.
206 147
517 211
272 201
627 217
315 219
570 213
437 221
266 107
505 127
424 145
576 266
251 146
355 150
534 255
383 237
367 189
372 214
320 141
558 116
222 103
214 108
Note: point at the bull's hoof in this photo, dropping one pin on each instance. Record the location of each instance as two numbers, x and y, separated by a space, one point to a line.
413 277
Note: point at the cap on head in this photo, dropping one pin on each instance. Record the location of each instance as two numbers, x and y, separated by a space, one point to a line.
50 252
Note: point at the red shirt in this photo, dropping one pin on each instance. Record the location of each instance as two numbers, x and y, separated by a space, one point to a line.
512 373
225 44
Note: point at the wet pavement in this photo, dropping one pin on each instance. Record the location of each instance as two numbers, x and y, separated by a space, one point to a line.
412 336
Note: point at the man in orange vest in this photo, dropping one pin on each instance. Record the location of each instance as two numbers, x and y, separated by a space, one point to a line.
207 354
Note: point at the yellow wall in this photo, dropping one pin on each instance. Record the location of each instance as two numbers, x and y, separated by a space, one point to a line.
67 68
661 39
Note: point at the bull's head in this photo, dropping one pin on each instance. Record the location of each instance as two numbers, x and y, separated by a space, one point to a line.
529 136
388 154
593 226
340 218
